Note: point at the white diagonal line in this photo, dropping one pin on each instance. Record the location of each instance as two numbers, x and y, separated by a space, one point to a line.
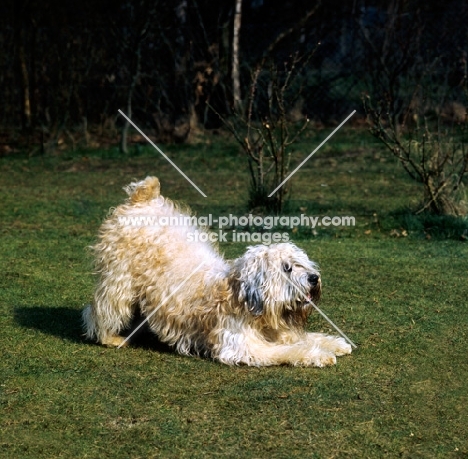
162 153
331 323
162 303
319 310
308 157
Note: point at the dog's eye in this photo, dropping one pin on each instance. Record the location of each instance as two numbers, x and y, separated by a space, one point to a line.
287 267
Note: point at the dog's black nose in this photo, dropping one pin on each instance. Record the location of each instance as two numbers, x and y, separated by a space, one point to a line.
313 279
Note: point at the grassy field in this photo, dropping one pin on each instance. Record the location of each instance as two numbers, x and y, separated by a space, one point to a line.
395 284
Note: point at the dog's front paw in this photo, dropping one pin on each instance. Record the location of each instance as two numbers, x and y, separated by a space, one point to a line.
341 347
334 344
319 359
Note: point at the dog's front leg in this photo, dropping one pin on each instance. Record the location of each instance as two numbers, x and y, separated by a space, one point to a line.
251 348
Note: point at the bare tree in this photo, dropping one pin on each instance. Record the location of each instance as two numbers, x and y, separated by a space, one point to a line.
266 132
261 123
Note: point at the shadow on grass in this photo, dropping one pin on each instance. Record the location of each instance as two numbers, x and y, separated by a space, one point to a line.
61 322
66 323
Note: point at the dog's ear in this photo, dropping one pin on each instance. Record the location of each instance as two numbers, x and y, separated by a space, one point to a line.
248 276
252 297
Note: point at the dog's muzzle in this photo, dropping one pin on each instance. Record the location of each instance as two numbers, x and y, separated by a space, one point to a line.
315 286
313 280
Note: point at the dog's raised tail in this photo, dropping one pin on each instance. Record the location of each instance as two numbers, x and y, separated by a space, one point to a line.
143 191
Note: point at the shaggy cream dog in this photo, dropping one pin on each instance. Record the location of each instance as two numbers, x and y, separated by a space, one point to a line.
251 310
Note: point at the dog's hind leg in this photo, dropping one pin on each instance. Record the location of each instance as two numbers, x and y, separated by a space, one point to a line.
110 313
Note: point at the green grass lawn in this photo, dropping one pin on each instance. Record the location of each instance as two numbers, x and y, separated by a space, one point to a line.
403 300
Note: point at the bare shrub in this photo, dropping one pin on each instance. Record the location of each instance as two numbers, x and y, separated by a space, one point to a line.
431 152
265 131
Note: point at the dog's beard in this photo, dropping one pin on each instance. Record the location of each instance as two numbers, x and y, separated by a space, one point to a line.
291 306
315 293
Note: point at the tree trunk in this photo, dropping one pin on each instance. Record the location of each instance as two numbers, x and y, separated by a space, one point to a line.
235 57
136 73
22 16
183 94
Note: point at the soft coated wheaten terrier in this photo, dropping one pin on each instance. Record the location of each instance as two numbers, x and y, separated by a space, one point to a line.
251 310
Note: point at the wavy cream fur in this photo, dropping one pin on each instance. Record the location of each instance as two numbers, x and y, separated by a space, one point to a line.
251 310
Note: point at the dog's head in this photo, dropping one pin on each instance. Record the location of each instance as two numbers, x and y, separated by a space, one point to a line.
276 282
